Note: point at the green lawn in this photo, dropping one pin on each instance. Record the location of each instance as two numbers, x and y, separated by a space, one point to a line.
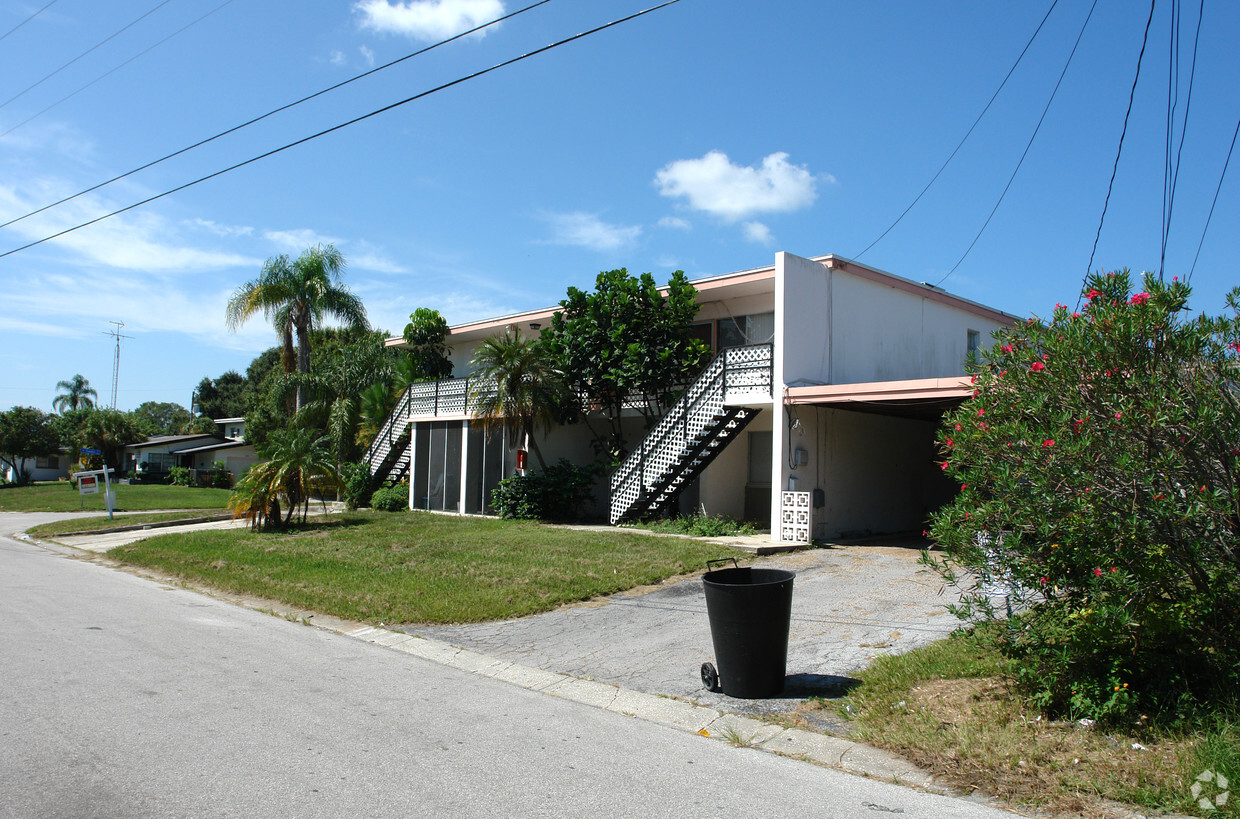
92 524
64 497
412 567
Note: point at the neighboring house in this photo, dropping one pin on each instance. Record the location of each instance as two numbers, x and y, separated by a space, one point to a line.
154 458
44 468
830 379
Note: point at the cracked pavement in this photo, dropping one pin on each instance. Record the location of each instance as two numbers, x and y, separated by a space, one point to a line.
850 604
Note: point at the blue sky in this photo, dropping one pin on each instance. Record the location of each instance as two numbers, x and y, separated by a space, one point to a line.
705 136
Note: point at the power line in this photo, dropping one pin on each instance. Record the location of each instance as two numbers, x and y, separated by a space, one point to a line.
114 70
1169 196
1028 145
1210 215
272 112
959 145
27 20
84 53
347 123
1119 151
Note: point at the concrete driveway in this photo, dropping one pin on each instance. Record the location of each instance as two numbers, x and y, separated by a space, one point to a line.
850 604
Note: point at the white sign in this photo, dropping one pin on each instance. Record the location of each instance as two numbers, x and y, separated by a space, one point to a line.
88 485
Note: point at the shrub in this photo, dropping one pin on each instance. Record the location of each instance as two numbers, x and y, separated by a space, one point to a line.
557 493
180 476
222 479
1099 462
391 498
703 526
358 484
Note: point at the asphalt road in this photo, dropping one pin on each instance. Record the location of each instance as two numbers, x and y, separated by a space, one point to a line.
123 697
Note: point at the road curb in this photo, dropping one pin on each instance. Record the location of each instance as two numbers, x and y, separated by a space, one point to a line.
820 749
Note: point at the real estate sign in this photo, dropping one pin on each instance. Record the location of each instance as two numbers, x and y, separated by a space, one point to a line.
88 485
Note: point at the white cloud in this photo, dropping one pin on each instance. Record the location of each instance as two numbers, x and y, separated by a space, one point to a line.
368 56
140 241
337 58
428 19
587 230
295 241
758 232
223 230
675 223
734 192
376 262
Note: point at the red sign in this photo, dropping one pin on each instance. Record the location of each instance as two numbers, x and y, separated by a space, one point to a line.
520 459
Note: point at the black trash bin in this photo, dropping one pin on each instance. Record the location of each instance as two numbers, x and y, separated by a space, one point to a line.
749 611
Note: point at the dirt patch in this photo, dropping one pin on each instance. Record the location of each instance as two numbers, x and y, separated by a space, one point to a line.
974 734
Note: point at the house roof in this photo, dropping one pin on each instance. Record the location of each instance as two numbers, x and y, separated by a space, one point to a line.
165 440
740 283
212 447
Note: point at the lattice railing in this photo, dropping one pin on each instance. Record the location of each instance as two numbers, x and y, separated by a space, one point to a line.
379 454
735 374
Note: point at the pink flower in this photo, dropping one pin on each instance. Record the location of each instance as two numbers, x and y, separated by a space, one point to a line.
1061 307
1114 570
943 466
1007 348
984 425
1048 443
948 442
1097 572
1092 294
1037 366
980 413
1139 298
1119 415
1044 581
959 428
1076 315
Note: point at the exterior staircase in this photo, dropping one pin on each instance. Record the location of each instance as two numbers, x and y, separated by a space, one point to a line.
385 455
710 414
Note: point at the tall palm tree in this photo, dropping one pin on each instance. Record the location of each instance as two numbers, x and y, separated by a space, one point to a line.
516 388
296 294
78 394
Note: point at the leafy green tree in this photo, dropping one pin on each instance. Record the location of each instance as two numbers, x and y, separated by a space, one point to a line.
109 431
334 391
426 334
517 389
1099 464
163 417
296 295
223 397
77 394
25 432
626 345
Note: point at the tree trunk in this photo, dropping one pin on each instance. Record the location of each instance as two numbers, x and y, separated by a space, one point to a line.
303 354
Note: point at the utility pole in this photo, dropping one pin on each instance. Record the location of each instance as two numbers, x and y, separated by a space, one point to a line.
116 361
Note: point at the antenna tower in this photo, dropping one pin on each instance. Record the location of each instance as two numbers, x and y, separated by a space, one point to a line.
116 361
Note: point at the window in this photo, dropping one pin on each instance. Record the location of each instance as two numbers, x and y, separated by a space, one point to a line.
47 462
974 342
739 331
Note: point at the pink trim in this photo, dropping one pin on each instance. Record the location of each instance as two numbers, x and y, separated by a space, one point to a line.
956 387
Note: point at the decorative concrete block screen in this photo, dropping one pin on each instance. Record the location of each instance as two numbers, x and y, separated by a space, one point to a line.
796 518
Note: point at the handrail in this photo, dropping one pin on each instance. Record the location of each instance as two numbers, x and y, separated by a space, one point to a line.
686 419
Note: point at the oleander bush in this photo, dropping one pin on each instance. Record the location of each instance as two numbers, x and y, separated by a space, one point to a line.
1099 504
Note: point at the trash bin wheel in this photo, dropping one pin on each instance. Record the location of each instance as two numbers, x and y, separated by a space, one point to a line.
710 677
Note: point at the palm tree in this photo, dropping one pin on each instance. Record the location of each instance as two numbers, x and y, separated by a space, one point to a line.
516 388
296 294
77 394
297 468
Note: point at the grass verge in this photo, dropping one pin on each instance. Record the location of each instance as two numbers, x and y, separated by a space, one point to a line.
948 707
62 496
411 567
92 524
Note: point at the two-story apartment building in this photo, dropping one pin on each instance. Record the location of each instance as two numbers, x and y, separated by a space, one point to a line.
829 381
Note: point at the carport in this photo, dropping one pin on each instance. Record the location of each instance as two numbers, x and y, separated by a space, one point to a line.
870 448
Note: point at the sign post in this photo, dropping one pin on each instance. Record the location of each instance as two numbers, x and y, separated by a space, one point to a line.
88 484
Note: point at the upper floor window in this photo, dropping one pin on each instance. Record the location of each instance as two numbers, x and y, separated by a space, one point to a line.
739 331
974 344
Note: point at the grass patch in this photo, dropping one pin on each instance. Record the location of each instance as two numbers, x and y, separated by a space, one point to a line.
415 567
62 496
948 707
59 527
700 526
